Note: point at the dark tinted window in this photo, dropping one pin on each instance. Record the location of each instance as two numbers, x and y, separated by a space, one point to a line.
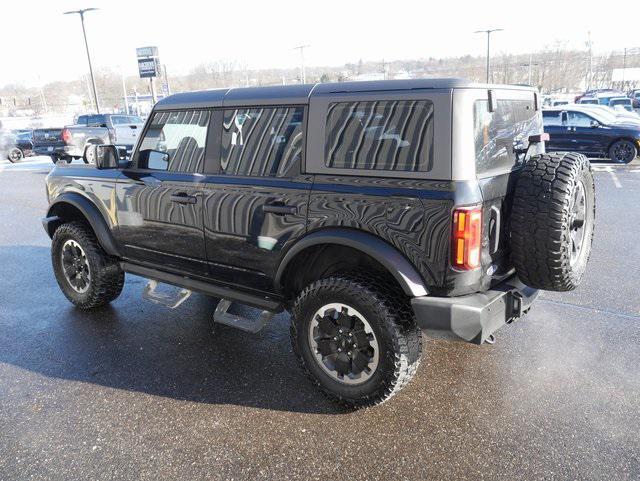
498 134
179 135
261 141
382 135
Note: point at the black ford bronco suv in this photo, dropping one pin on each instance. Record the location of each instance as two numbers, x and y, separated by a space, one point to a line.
371 211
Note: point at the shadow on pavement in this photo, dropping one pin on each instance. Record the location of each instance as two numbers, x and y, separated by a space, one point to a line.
138 346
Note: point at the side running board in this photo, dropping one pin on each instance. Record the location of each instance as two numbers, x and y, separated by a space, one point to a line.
170 300
222 316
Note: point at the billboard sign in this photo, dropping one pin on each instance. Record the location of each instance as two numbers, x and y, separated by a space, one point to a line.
148 67
148 62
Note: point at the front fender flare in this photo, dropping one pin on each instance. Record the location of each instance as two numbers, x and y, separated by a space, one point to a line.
392 260
90 212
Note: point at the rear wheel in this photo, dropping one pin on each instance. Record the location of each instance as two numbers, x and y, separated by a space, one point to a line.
623 151
15 155
87 275
356 339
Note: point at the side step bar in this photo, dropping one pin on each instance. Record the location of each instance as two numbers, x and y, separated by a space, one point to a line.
222 316
264 303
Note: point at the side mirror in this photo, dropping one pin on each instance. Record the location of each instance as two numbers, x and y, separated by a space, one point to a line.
594 124
104 156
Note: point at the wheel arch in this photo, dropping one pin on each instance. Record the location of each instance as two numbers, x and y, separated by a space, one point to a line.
73 206
369 245
628 139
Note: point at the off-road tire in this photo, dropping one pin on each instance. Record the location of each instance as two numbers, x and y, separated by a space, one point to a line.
107 278
389 313
15 155
541 217
623 151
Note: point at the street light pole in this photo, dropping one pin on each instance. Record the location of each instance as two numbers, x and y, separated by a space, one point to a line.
489 32
303 78
86 45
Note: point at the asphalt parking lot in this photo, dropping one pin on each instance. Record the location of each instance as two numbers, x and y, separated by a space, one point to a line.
136 391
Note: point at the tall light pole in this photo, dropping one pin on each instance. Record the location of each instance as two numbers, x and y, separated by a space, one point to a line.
86 45
303 78
489 32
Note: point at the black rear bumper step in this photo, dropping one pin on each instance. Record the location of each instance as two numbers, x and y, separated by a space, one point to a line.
265 303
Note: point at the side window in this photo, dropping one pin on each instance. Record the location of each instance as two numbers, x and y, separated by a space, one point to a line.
578 119
382 135
175 141
261 141
551 118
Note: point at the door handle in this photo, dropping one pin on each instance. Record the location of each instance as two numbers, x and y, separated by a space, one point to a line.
183 198
279 209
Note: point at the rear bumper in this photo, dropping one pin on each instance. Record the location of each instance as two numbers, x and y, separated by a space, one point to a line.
474 317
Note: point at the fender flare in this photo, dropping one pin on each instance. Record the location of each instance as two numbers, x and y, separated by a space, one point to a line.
387 255
90 212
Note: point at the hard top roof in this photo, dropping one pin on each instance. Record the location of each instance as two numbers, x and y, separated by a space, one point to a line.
299 94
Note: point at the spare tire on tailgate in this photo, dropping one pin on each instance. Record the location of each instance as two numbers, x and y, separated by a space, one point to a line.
552 220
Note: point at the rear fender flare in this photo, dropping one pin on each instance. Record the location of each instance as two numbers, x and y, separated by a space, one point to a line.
387 255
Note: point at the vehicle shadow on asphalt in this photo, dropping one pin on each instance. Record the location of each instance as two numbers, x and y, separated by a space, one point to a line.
138 346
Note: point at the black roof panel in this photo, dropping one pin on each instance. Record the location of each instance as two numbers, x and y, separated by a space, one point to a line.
299 94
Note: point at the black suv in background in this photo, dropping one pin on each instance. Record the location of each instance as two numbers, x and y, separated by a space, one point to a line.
592 132
369 210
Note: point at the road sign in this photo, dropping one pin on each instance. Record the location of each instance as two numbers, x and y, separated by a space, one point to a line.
148 67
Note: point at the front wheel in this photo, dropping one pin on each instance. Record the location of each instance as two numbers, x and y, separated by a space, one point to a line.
356 339
87 275
623 151
15 155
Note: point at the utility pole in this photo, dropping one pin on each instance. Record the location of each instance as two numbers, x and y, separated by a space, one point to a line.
489 32
303 78
624 65
124 93
166 78
86 45
590 45
384 70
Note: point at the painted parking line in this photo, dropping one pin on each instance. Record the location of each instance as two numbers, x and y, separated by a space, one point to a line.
614 177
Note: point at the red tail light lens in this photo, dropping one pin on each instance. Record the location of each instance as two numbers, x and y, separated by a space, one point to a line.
66 136
467 238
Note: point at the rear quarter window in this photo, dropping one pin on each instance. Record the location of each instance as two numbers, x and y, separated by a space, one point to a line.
498 134
391 135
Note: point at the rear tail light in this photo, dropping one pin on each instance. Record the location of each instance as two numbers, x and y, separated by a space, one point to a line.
467 238
112 135
66 136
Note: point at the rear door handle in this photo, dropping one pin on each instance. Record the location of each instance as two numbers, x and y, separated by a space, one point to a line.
183 198
279 209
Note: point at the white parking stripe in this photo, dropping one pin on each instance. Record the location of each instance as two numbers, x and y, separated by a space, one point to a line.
614 177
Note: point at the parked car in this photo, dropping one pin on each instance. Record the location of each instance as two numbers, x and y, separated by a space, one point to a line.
49 141
634 95
621 103
16 144
596 92
369 210
588 100
591 133
69 142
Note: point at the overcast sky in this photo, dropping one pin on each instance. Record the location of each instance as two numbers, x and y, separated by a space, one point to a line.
39 44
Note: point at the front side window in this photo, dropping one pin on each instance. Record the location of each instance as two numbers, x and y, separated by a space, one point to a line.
393 135
175 141
501 133
552 118
261 141
125 119
578 119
